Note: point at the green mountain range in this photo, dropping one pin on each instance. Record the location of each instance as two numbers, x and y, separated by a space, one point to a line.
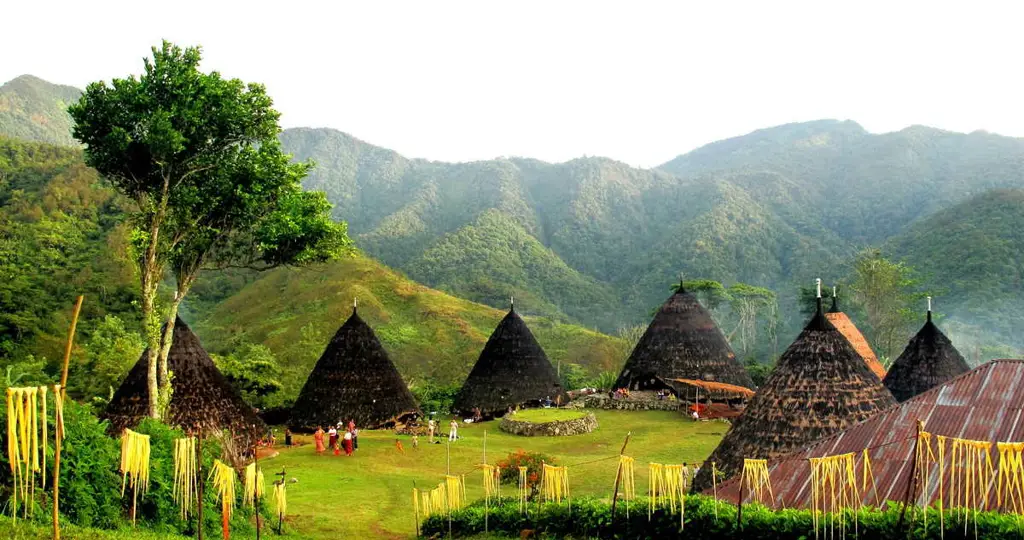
36 110
62 234
596 242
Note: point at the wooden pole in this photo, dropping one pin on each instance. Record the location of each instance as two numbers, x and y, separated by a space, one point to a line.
912 481
67 349
618 473
739 505
256 490
59 433
202 481
487 498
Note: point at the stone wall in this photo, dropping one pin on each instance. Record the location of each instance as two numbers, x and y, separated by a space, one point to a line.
576 426
602 401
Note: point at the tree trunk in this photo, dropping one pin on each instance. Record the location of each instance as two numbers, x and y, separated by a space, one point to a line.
151 271
184 285
151 332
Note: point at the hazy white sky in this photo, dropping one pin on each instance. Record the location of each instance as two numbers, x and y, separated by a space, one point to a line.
636 81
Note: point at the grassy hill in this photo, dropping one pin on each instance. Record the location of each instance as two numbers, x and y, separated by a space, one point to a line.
429 334
62 234
35 110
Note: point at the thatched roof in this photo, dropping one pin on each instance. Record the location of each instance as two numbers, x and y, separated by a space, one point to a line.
929 360
353 380
711 389
819 386
682 342
846 327
512 370
202 397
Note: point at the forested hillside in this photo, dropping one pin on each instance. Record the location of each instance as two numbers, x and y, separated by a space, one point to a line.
774 208
62 233
972 254
597 242
35 110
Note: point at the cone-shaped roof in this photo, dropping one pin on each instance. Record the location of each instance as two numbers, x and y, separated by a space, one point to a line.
682 342
860 344
202 396
819 386
929 360
353 380
512 370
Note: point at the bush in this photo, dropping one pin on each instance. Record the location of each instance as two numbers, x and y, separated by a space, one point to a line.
90 484
591 518
534 463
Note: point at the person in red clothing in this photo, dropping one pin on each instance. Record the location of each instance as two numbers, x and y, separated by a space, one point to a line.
318 437
348 443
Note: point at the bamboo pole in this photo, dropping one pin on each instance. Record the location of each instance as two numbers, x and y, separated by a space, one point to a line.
59 433
256 490
202 482
67 349
739 504
618 474
487 498
912 481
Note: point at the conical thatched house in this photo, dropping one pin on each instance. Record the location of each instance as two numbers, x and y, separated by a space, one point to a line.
202 397
929 360
353 380
512 370
819 386
856 339
682 342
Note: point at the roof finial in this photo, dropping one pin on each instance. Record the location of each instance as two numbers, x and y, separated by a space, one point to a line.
817 281
512 302
929 308
833 291
355 303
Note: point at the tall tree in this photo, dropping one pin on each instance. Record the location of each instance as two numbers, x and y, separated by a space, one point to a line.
199 156
885 291
750 303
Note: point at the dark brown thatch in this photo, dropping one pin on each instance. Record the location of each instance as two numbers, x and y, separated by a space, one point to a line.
860 344
353 380
682 342
512 370
929 360
202 397
819 386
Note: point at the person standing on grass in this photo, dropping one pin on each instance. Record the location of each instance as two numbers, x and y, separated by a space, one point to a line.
453 430
431 425
355 433
318 437
332 434
287 437
348 443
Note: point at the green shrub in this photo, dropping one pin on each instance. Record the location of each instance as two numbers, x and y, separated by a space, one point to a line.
534 463
591 518
90 484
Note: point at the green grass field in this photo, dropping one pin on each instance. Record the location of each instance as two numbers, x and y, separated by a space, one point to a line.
369 494
539 416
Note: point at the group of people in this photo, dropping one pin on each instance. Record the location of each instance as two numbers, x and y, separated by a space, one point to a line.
453 430
336 440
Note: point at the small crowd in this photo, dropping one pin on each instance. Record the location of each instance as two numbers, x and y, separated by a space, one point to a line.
336 440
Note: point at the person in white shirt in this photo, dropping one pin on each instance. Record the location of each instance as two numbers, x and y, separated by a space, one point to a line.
453 430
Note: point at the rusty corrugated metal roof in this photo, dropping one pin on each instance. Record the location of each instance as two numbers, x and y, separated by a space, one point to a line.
984 404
